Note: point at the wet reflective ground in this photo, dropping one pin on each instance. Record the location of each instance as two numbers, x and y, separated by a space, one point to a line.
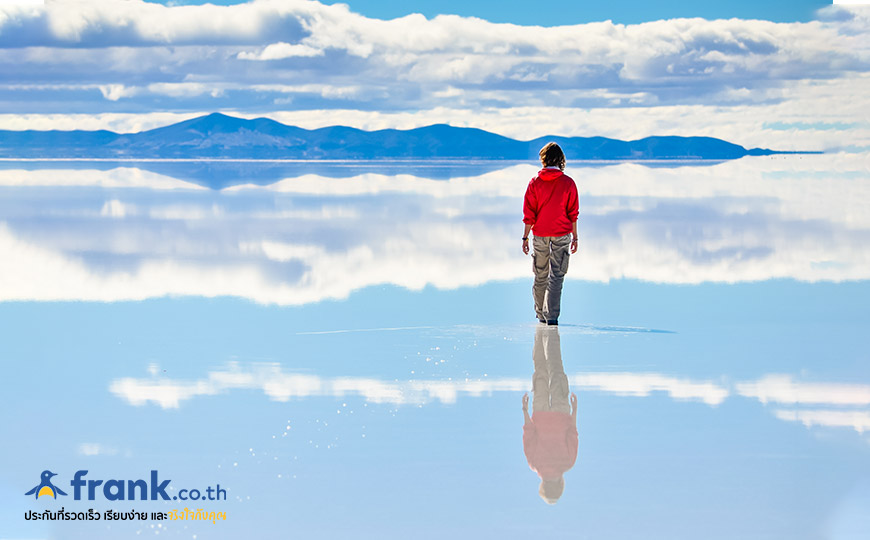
347 356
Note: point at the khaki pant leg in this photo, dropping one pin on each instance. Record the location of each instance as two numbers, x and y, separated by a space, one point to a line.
558 267
558 380
541 376
541 268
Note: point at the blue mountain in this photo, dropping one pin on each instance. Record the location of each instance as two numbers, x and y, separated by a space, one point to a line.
218 136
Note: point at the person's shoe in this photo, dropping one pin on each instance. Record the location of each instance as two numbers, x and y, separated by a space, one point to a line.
553 322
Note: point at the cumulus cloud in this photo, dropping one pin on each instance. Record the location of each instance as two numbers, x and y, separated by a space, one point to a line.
114 92
278 51
207 57
799 118
97 23
117 122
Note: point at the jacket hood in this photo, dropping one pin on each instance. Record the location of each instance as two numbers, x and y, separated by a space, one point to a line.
549 174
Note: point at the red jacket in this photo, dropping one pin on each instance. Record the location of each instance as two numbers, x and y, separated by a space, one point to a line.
551 204
550 443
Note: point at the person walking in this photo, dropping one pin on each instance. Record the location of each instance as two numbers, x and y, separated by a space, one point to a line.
550 210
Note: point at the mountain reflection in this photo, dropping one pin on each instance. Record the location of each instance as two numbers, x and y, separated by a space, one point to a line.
129 233
550 432
220 174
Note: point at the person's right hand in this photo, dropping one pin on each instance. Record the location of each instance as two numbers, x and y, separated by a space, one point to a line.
574 401
526 401
526 246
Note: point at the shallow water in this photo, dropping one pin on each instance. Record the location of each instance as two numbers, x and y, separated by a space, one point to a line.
347 355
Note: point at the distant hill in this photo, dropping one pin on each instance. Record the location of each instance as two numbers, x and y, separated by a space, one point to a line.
218 136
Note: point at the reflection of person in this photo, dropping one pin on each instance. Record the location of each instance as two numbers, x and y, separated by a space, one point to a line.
550 210
550 434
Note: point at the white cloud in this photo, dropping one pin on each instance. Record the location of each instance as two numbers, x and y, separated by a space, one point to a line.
117 122
281 50
114 92
725 78
97 23
184 89
797 119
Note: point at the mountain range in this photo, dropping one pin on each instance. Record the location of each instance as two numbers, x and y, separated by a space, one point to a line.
218 136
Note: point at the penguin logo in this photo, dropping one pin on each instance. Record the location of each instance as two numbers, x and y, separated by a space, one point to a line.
45 487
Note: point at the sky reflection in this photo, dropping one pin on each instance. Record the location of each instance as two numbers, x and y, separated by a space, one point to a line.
278 385
333 405
831 404
102 235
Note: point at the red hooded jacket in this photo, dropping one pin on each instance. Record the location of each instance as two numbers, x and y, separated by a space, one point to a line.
551 204
550 443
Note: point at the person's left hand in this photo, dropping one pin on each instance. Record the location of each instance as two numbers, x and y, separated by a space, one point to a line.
574 401
526 401
526 246
574 246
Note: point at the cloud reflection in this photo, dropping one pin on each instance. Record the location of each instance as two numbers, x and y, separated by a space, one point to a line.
782 389
96 449
857 420
644 384
279 385
833 404
851 401
310 237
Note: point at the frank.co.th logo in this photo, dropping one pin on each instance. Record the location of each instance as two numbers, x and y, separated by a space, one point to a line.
124 490
45 487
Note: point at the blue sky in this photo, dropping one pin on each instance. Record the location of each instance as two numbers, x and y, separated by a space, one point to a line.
611 69
561 12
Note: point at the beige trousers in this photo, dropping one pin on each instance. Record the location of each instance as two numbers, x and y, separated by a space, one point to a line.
550 261
549 382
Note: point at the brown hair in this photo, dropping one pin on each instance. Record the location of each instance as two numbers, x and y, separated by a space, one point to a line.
552 156
551 490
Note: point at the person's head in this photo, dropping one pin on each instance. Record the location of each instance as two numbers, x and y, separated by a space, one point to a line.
552 156
551 490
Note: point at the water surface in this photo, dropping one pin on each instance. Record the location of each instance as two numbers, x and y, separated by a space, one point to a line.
347 353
